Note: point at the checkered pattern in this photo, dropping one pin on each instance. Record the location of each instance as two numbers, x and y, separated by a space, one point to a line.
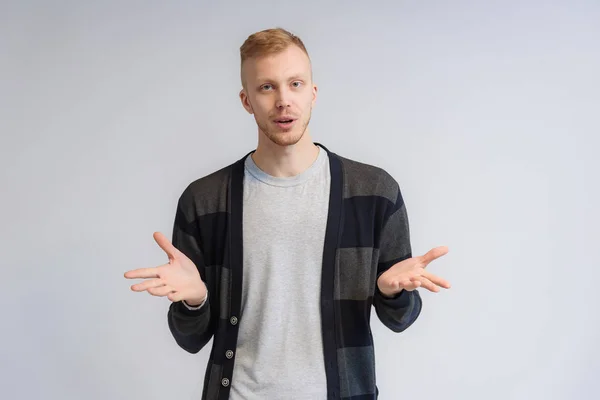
367 232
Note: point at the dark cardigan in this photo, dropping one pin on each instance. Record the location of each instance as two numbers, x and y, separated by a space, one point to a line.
367 232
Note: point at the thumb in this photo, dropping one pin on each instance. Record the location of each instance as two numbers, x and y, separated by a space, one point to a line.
165 244
433 254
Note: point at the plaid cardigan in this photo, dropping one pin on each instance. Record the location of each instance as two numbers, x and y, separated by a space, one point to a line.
367 232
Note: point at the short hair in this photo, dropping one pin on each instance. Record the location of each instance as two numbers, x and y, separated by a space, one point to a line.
268 42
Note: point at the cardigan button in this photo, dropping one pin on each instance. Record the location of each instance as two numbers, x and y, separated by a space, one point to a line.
225 382
229 354
233 320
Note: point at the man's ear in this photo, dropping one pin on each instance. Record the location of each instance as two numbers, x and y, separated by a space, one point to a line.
315 89
246 101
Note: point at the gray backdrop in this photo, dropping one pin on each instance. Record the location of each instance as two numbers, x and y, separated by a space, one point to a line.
485 112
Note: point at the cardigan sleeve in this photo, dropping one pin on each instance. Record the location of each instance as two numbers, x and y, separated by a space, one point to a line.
192 328
400 311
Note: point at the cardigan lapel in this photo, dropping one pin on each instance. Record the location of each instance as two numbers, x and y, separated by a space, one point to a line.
234 254
329 317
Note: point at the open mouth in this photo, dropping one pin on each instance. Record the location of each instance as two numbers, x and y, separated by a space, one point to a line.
285 123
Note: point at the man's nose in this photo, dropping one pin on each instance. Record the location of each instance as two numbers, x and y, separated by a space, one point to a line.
283 99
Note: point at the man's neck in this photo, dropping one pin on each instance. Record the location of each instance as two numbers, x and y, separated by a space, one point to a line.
285 161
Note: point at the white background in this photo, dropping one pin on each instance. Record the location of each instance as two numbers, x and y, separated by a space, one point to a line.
485 112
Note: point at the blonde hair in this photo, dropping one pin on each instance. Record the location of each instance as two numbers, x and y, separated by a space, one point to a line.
268 42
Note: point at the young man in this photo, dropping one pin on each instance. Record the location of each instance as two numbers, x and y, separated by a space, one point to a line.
280 256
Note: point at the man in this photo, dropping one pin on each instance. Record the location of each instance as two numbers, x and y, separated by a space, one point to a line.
280 256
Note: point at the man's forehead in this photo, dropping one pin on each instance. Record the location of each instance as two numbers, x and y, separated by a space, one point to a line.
283 66
280 74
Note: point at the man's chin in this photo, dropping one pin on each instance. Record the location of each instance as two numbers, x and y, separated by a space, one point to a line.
289 138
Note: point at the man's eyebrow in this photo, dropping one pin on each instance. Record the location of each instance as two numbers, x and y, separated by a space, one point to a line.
298 77
292 77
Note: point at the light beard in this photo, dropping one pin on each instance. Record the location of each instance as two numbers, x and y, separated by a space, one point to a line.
285 138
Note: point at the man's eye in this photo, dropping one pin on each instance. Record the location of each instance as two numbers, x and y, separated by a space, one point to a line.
266 87
297 84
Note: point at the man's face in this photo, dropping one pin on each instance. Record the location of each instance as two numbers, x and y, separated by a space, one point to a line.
280 94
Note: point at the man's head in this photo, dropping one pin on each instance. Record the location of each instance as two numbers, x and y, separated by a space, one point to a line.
277 84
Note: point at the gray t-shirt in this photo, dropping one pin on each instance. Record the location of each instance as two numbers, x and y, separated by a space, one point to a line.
280 348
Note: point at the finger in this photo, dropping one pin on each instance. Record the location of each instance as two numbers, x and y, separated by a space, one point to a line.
161 290
165 244
433 254
142 273
436 279
427 284
174 296
404 283
150 283
410 284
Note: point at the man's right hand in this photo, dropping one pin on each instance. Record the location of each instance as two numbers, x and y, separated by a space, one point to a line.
178 280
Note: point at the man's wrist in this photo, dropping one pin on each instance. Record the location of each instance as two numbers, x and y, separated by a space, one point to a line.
382 292
391 295
195 303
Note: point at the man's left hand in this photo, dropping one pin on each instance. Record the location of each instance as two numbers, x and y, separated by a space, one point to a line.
411 274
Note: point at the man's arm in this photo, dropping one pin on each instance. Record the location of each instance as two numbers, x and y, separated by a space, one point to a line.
192 326
400 310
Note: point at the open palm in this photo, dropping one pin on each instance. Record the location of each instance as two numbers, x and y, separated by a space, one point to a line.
178 280
411 274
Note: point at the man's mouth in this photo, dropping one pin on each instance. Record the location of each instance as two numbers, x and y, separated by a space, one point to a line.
285 123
